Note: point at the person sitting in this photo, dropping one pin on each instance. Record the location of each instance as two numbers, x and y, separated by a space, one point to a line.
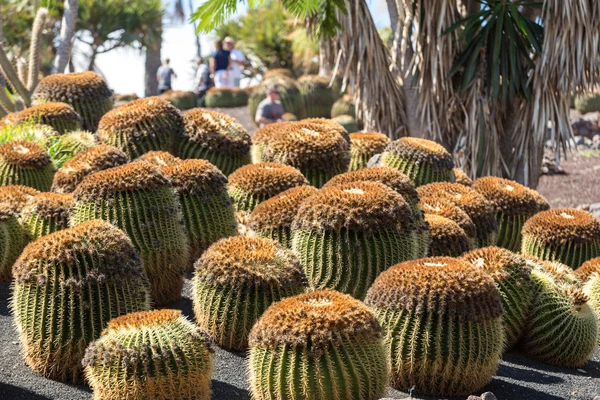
220 64
270 110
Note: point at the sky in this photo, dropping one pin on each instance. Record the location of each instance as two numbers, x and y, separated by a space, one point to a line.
123 69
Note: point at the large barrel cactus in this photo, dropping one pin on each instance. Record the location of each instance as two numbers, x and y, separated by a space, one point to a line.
16 196
318 97
141 126
236 280
476 206
159 158
589 273
514 204
207 209
446 237
346 235
512 275
289 94
155 354
13 239
363 146
442 322
445 208
252 184
60 116
86 92
27 164
321 345
46 213
68 285
139 199
564 234
215 137
422 160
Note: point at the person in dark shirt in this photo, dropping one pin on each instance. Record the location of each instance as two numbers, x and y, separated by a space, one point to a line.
270 110
220 64
163 75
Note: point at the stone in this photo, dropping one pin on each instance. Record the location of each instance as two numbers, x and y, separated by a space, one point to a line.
595 209
488 396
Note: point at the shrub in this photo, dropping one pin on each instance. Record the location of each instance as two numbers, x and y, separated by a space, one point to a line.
46 213
363 146
289 94
27 164
588 102
317 96
446 238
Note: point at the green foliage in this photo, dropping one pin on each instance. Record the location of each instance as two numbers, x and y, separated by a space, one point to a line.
586 103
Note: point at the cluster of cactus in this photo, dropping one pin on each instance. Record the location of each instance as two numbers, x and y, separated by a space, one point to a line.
252 184
445 208
319 345
180 99
318 96
569 236
422 160
589 273
95 159
344 106
215 137
207 209
236 280
86 92
140 199
86 275
27 164
363 146
346 235
446 237
60 116
514 205
226 97
442 322
289 94
347 121
155 354
46 213
13 237
141 126
273 218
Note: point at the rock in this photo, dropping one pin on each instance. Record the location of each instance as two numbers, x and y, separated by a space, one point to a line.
595 142
578 139
488 396
595 210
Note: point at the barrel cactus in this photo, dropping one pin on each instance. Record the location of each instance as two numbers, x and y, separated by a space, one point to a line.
226 97
86 275
13 239
236 280
512 275
180 99
155 354
94 159
207 208
318 97
289 94
60 116
364 146
442 322
514 204
215 137
86 92
319 345
589 273
141 126
255 183
65 147
273 218
16 196
476 206
462 177
27 164
541 201
564 234
422 160
348 234
348 122
46 213
343 106
139 199
446 237
445 208
159 158
562 329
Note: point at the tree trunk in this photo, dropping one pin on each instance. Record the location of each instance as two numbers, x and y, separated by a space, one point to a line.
92 60
324 64
195 25
67 30
152 64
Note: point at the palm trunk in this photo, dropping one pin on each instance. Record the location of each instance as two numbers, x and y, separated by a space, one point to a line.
92 60
67 30
152 63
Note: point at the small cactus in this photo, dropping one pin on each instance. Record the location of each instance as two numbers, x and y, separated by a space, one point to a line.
46 213
273 218
423 161
446 237
514 204
566 235
512 275
60 116
445 208
13 239
236 280
215 137
462 177
252 184
86 92
16 196
207 208
344 106
348 234
159 158
589 273
319 345
289 93
318 97
155 354
442 322
363 146
141 126
86 275
139 199
27 164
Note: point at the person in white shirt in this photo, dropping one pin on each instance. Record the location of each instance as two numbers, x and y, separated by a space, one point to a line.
203 81
238 60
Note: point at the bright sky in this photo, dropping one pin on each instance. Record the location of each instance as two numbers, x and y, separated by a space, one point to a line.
123 69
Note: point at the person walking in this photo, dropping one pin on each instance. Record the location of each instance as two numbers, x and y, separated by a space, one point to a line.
238 60
270 110
220 65
203 81
164 75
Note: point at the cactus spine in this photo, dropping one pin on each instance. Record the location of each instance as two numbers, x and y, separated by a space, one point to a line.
46 213
363 146
25 163
85 275
442 322
319 345
13 239
150 355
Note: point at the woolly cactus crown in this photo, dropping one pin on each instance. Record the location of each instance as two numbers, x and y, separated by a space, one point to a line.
369 142
315 319
361 206
16 196
440 285
462 177
557 226
73 87
195 177
266 179
95 159
445 208
24 154
588 268
60 116
47 205
506 196
159 158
